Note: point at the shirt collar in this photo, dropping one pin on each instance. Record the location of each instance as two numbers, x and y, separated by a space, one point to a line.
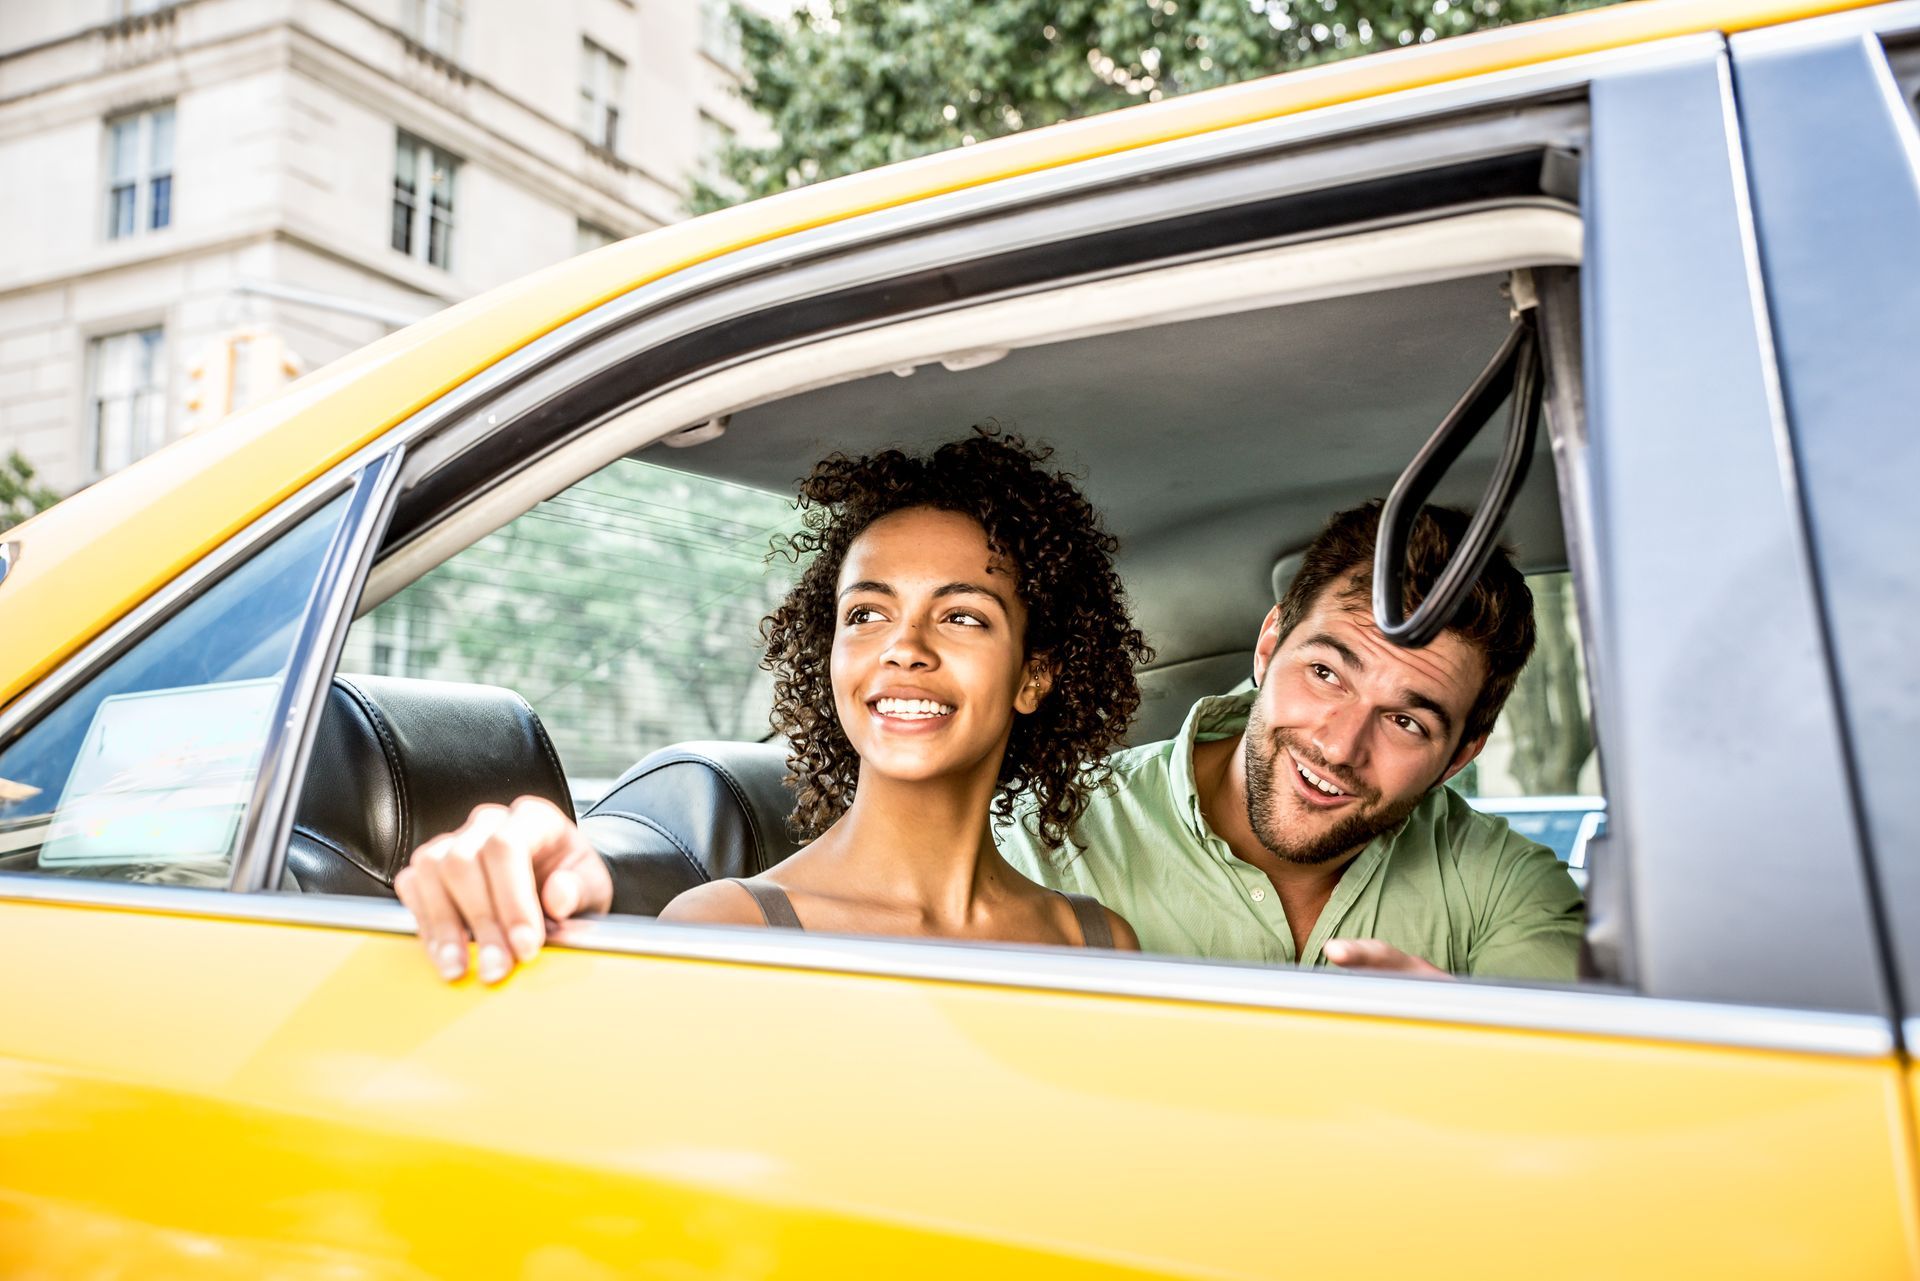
1214 717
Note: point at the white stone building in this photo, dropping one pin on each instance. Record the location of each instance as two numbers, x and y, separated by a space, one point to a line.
201 199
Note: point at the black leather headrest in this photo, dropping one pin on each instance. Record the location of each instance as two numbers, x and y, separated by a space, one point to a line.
692 813
396 761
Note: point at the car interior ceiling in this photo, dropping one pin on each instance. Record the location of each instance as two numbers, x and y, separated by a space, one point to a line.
1219 445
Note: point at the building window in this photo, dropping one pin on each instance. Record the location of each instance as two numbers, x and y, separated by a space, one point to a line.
587 236
434 25
601 76
127 407
139 172
423 178
719 33
135 8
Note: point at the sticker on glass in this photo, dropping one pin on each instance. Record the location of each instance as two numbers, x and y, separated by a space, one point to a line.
163 776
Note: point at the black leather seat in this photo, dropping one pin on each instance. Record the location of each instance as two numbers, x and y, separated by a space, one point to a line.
396 761
692 813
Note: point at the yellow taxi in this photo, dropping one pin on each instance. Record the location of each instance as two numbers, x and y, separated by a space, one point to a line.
516 548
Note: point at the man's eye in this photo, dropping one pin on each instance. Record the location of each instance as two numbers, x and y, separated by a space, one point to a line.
1410 725
1322 672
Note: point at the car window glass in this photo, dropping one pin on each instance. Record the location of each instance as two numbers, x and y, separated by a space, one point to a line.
143 773
625 609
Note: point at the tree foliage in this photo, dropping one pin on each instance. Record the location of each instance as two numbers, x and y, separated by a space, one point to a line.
850 84
21 495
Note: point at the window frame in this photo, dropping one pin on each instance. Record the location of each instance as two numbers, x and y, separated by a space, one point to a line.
146 194
435 26
603 76
422 206
1208 172
146 396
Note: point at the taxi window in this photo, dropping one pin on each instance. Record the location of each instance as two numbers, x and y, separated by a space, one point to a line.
1540 770
625 609
144 772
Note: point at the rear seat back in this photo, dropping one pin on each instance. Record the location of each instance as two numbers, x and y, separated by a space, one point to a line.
691 813
396 761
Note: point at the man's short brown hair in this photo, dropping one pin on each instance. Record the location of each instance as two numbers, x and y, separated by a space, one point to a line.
1496 618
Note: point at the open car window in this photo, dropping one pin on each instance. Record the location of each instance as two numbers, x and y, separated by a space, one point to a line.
625 609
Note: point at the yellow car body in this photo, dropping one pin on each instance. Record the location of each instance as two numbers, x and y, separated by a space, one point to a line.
208 1084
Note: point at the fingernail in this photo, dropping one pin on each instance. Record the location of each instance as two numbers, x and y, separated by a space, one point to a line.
452 960
525 940
493 963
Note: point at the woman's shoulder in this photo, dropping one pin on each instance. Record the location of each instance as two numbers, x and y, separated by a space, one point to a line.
1089 913
727 902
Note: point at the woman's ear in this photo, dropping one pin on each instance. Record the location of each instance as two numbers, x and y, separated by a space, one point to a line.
1036 680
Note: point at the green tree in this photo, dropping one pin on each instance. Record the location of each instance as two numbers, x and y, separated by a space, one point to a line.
20 495
850 84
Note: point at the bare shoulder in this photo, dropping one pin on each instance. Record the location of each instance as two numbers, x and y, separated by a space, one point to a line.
1124 939
715 903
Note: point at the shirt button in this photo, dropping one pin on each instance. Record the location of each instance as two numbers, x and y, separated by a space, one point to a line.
1259 896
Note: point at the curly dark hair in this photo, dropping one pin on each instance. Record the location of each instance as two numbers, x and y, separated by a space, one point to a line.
1076 618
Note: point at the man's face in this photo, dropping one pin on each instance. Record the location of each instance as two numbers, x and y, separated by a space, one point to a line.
1348 732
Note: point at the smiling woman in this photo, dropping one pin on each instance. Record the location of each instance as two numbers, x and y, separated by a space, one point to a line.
957 643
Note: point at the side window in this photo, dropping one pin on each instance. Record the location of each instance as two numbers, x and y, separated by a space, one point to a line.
624 609
144 772
1540 770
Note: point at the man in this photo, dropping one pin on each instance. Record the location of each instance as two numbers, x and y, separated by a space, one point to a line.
1304 821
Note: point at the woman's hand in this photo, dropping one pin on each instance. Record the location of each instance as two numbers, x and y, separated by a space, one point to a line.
495 880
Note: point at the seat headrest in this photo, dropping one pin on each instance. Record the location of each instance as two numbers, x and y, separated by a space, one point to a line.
691 813
396 761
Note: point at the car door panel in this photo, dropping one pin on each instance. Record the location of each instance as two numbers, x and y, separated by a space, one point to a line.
1835 156
291 1099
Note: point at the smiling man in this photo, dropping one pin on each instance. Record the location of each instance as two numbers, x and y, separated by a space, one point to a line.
1304 821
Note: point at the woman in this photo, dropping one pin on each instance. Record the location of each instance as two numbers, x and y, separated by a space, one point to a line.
958 643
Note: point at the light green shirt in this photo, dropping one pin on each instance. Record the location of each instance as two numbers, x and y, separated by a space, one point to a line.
1450 884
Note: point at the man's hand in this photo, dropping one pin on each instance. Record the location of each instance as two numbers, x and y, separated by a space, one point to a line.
1383 958
495 879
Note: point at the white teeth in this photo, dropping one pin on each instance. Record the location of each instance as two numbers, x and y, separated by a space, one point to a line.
911 708
1317 781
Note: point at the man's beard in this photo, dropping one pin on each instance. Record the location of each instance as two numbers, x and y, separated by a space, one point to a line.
1267 767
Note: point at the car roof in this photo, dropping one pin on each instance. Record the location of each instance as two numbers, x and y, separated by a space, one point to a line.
86 562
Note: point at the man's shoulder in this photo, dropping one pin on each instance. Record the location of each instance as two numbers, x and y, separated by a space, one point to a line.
1493 862
1133 780
1453 824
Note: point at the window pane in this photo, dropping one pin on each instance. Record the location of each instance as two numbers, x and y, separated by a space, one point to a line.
402 225
623 609
120 212
143 773
113 435
160 148
123 148
162 203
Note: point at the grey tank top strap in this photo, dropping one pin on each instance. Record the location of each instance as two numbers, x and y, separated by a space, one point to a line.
774 905
1094 929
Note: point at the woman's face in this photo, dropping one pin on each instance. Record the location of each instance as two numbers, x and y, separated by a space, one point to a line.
929 663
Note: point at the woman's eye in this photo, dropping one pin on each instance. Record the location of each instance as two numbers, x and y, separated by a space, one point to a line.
965 619
860 614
